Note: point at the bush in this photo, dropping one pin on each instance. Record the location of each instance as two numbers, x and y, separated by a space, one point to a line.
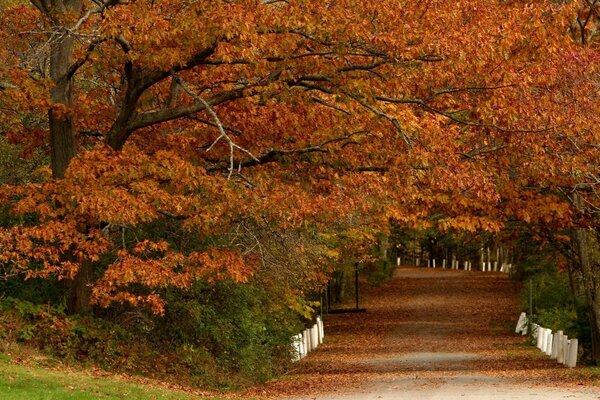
219 335
241 326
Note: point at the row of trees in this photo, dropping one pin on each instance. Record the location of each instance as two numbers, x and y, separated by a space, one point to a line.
206 141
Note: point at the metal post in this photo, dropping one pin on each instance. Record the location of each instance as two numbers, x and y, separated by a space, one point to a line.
328 296
530 319
356 285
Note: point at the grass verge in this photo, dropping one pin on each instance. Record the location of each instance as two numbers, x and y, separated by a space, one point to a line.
34 383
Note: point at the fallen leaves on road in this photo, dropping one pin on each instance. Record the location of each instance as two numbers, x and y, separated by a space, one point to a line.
425 311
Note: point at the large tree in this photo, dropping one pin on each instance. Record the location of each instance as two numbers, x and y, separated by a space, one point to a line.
202 115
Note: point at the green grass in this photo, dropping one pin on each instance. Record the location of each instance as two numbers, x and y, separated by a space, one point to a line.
33 383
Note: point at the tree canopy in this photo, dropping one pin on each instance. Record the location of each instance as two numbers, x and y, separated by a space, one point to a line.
178 130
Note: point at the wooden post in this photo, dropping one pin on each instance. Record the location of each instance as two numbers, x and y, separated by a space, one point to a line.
306 341
560 348
314 336
541 339
572 354
555 341
521 323
535 333
549 339
321 330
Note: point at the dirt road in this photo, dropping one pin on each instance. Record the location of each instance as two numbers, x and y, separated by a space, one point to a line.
432 334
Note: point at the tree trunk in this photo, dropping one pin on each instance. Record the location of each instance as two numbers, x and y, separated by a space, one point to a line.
587 245
62 130
80 290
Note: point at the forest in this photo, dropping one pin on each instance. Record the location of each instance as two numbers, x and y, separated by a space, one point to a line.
184 184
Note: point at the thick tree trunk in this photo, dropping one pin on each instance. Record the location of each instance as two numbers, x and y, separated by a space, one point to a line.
62 130
80 290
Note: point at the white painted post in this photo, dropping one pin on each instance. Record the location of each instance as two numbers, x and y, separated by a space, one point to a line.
418 262
483 266
521 323
302 350
320 328
428 263
495 266
444 263
572 354
398 261
555 342
434 263
542 339
296 355
314 336
306 341
549 338
560 348
565 349
535 333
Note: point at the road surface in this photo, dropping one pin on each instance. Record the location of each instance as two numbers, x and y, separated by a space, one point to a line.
431 334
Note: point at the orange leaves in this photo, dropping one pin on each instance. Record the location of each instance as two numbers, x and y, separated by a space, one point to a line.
470 224
347 111
169 270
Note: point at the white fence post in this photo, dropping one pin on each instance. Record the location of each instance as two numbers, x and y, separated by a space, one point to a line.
314 336
572 353
541 336
535 333
320 329
549 338
299 351
560 348
556 344
306 341
522 324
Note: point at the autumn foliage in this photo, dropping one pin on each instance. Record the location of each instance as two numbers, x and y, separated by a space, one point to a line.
183 136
